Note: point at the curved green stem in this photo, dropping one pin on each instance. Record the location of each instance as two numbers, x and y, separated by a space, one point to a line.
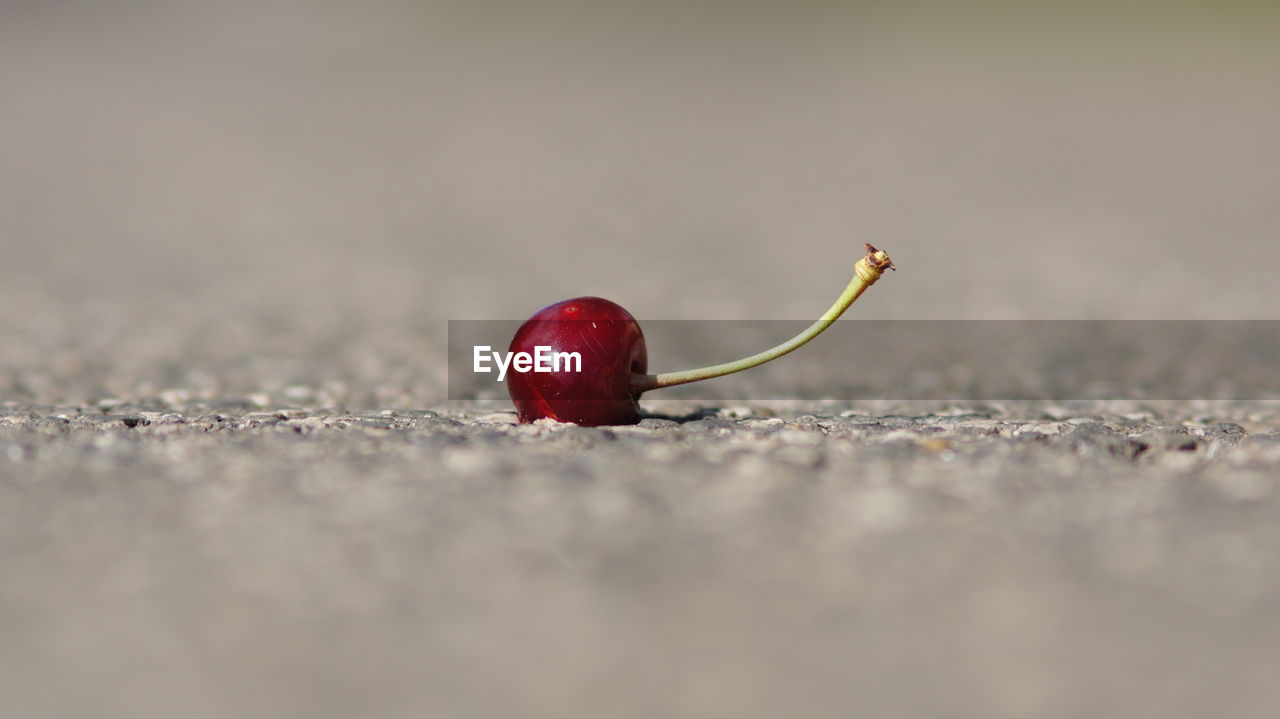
865 273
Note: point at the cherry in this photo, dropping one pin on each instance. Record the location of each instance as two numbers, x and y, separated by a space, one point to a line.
612 351
604 387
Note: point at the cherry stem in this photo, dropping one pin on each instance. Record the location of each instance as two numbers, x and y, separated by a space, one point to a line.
865 273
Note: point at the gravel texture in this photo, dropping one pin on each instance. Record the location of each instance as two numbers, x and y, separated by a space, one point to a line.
231 484
239 560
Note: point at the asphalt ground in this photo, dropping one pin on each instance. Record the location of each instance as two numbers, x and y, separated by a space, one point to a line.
232 483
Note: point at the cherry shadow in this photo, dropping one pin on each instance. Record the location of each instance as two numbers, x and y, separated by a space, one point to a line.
704 413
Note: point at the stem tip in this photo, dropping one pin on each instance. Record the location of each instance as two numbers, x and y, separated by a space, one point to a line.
878 259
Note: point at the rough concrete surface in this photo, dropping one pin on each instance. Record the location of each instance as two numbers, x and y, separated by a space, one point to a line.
233 560
231 483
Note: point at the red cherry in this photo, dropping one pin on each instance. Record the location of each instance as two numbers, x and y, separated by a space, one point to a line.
606 384
612 350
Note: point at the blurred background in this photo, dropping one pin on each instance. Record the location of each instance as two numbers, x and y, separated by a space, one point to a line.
303 177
